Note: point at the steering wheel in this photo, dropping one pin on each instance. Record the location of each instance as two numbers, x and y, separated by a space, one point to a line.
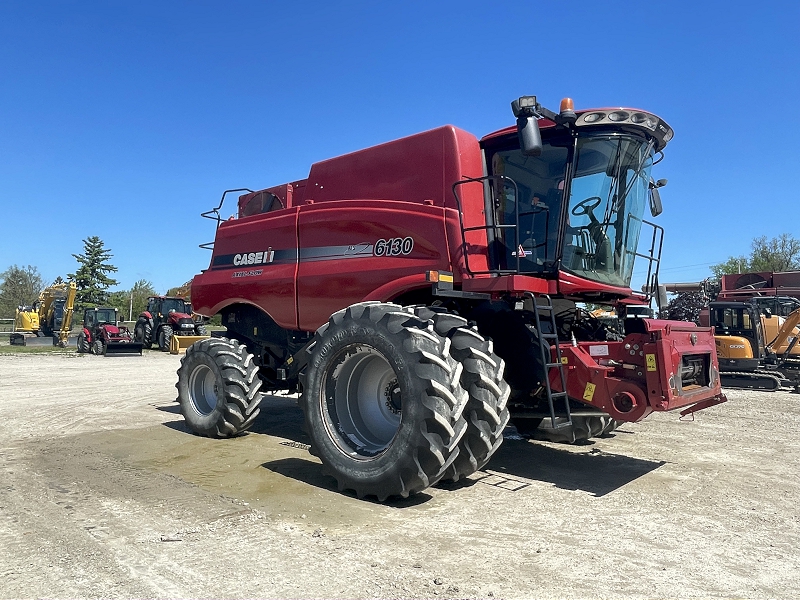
586 206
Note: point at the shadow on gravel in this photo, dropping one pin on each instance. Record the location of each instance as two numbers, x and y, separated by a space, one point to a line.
596 472
592 471
310 473
280 416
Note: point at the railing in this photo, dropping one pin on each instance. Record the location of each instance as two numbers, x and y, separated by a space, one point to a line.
214 215
495 231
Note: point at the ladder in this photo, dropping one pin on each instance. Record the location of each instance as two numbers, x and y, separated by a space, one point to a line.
548 339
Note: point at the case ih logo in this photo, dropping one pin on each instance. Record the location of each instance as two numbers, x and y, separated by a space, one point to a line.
254 258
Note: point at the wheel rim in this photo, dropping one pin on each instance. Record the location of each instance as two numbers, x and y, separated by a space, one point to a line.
362 402
203 390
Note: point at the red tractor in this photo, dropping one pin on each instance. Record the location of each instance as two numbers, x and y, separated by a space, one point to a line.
421 293
166 316
102 335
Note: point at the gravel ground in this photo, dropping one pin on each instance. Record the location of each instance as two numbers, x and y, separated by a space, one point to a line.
105 494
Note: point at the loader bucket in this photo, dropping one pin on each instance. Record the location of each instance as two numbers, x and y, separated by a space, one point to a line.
117 348
179 343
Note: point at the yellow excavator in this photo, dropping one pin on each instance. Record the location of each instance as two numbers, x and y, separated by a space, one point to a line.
48 321
756 350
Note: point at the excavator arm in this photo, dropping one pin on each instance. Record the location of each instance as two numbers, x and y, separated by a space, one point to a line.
66 320
787 328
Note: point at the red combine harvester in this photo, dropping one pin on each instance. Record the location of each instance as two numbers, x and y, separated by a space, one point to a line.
421 293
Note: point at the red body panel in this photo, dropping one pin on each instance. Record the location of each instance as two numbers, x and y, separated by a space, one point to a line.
330 235
350 248
644 367
269 284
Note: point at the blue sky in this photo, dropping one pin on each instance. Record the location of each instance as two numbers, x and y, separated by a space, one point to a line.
126 120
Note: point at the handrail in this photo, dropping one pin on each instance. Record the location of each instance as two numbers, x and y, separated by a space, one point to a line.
214 215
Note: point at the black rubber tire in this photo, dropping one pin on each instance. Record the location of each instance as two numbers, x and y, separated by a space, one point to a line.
98 347
218 388
382 401
582 429
526 427
83 344
164 338
482 376
143 333
201 330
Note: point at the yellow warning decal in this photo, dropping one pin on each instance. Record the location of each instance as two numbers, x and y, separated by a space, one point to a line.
651 362
588 393
564 360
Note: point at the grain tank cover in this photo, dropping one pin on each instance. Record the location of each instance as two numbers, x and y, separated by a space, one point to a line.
412 169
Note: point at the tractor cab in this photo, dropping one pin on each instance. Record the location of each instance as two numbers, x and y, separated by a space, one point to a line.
573 206
96 317
166 305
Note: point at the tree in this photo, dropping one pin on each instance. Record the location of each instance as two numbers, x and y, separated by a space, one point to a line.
734 264
141 291
685 307
780 253
184 291
20 286
90 278
132 301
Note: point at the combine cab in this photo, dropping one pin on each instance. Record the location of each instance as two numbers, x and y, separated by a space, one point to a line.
102 335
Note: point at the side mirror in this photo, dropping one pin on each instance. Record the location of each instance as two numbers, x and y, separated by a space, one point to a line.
530 138
655 197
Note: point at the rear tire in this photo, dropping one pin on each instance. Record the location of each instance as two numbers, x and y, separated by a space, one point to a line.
83 344
382 401
218 388
143 333
482 377
164 338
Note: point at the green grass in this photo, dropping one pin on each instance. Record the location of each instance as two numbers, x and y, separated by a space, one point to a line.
5 348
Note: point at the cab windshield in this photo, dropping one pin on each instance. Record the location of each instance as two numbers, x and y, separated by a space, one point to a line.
604 201
175 305
608 194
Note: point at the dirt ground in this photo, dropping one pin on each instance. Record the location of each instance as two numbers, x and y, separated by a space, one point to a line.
105 494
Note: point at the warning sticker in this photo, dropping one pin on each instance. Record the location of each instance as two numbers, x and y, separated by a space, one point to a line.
588 393
564 360
651 362
601 350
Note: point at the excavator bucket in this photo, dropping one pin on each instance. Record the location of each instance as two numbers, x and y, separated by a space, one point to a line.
179 343
117 348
